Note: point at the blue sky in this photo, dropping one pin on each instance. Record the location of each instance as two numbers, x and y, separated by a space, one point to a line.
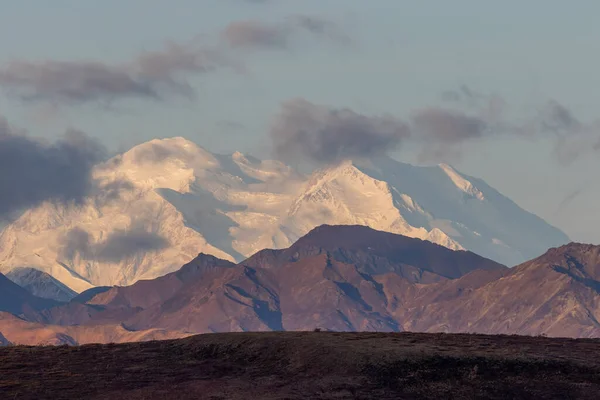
403 56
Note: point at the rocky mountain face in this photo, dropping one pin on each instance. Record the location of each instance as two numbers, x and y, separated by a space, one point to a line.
41 284
159 204
352 278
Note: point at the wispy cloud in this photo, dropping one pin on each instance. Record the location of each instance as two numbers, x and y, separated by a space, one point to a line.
151 75
250 34
553 120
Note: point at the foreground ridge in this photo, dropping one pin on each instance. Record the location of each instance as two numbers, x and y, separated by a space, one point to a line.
309 365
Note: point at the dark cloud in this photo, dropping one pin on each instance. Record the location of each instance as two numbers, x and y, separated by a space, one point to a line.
77 242
32 171
151 75
119 245
123 244
442 132
307 132
448 126
257 34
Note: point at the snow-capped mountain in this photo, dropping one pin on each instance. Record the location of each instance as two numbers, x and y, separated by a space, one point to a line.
41 284
161 203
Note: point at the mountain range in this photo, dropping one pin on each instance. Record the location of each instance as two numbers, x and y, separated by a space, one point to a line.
156 206
342 278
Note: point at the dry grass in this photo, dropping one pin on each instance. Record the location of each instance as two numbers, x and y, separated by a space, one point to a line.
315 365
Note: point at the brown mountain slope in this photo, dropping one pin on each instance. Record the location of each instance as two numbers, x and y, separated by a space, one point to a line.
314 289
19 331
329 280
377 252
557 294
103 305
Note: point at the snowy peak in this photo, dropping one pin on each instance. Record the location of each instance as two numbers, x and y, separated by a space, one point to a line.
161 163
41 284
461 183
345 195
164 201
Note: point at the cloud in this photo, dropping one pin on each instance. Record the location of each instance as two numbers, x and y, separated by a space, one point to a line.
553 120
123 244
32 171
114 189
490 107
441 132
307 132
151 75
447 126
255 34
574 138
556 118
77 241
119 245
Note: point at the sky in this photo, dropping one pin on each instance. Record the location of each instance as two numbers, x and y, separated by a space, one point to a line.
505 91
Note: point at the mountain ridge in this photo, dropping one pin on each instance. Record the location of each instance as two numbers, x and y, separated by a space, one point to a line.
160 203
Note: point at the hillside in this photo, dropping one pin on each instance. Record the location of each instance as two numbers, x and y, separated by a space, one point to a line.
329 278
353 278
308 365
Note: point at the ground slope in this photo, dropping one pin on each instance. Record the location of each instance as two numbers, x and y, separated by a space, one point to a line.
308 365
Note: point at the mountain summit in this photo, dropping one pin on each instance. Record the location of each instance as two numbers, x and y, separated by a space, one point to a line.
159 204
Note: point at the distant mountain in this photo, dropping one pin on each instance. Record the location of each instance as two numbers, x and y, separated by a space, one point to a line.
557 294
33 334
16 300
41 284
354 278
329 278
162 202
377 252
